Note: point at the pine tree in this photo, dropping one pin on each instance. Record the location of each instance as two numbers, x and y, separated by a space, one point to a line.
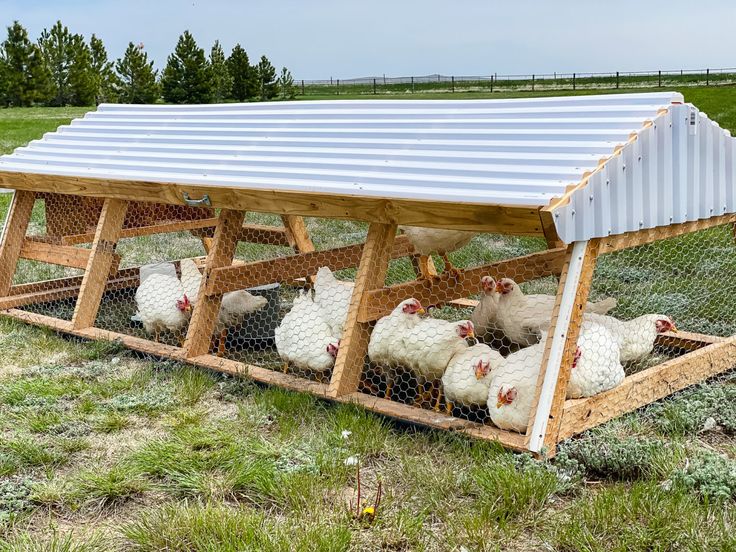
187 77
26 78
286 85
103 71
266 79
82 79
245 84
56 46
137 78
222 82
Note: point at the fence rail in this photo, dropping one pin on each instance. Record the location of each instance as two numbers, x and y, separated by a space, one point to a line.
508 83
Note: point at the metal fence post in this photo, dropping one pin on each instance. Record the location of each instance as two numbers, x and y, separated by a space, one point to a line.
573 81
303 94
617 79
453 83
374 86
412 85
707 77
492 79
533 79
659 78
338 87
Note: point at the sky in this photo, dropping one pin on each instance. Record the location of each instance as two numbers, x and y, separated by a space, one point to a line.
319 39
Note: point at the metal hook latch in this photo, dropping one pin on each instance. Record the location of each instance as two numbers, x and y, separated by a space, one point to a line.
204 202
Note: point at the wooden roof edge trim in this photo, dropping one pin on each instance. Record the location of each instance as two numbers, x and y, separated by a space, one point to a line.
555 203
501 218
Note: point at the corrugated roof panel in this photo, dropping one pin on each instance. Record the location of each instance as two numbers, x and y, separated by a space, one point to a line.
523 152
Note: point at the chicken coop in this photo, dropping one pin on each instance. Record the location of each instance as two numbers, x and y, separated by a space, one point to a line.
518 270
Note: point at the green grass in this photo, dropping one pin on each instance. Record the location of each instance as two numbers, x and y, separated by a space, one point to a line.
103 450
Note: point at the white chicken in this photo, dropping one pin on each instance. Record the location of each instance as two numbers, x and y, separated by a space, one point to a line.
235 305
597 364
484 317
522 317
163 305
386 345
334 297
428 348
436 240
635 337
513 387
468 376
304 339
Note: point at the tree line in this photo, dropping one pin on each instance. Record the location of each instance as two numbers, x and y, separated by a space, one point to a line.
62 68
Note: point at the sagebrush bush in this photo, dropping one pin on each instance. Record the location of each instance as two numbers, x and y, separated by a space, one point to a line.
613 458
710 475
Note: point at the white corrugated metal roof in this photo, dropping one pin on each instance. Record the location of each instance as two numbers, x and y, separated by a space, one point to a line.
521 152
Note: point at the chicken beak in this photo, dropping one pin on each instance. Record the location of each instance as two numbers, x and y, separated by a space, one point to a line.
421 310
499 287
674 329
479 373
500 403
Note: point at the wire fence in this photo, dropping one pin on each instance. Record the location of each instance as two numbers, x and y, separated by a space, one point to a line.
516 83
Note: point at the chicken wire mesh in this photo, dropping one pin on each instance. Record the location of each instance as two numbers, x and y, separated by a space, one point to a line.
283 290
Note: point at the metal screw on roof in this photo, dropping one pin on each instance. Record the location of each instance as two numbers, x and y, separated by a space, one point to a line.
623 167
572 212
639 158
591 197
608 182
641 223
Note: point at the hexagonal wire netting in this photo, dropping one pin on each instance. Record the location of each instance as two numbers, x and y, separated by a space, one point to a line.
479 362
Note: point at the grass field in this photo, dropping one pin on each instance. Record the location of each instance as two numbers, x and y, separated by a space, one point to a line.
104 450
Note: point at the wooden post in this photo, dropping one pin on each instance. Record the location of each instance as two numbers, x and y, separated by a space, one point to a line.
100 263
554 374
16 224
208 306
354 344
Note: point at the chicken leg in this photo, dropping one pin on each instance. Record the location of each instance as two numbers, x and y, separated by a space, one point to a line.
221 343
424 267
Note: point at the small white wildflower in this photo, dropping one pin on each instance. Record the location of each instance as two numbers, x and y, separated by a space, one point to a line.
351 461
115 360
345 433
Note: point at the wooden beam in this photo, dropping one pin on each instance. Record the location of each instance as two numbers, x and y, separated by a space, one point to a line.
449 287
62 255
283 269
16 224
642 237
221 255
506 219
688 341
161 228
354 343
648 386
297 234
437 420
100 263
252 233
550 230
567 329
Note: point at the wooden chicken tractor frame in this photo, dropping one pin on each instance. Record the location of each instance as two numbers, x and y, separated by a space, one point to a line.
553 417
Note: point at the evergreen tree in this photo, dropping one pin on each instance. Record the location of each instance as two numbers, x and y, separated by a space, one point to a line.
187 77
286 85
268 87
82 79
222 82
137 78
57 49
26 78
245 83
103 71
